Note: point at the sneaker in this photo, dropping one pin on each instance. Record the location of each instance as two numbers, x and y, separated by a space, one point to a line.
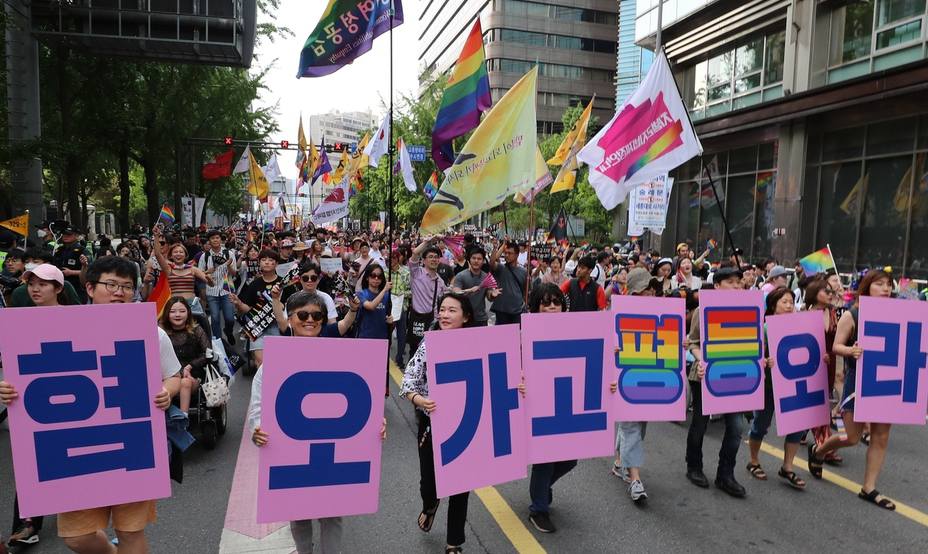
636 491
24 535
542 522
621 472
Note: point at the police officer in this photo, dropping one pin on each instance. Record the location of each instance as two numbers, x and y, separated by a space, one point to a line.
71 257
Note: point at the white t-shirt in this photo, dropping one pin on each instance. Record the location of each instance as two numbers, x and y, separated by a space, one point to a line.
170 365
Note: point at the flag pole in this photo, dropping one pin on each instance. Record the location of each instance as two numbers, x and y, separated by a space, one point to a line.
832 256
391 147
531 244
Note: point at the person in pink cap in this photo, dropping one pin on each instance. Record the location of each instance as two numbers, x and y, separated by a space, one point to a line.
45 285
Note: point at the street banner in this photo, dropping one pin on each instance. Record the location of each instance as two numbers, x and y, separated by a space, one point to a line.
892 381
334 206
649 135
733 350
799 375
84 431
648 206
478 428
649 359
331 265
345 32
322 407
568 403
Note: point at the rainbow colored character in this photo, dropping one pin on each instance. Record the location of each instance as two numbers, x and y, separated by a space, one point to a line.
732 349
649 358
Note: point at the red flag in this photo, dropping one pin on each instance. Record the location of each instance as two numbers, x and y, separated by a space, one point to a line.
220 167
160 293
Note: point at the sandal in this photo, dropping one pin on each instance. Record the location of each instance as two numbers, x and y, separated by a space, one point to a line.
794 480
453 550
875 497
865 438
833 459
815 463
757 472
427 518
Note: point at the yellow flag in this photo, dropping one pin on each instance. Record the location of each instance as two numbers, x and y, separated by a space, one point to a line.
301 141
851 203
19 224
314 160
359 161
342 167
497 161
257 186
575 139
542 179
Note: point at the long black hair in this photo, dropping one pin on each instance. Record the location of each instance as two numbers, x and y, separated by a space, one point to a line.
366 275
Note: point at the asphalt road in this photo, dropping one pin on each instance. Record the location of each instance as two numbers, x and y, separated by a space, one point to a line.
591 510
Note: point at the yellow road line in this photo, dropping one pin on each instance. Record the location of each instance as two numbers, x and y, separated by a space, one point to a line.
799 463
511 524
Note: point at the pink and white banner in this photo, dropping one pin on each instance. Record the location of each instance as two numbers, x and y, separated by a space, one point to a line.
478 426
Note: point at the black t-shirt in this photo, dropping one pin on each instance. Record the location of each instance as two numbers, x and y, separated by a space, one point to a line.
253 293
446 273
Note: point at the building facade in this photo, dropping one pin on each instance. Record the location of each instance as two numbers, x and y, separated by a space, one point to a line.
813 116
341 127
632 61
572 41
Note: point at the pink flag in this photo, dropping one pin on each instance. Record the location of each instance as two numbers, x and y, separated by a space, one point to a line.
455 243
489 282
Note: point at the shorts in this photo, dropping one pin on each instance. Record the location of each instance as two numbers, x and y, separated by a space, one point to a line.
258 343
850 390
131 517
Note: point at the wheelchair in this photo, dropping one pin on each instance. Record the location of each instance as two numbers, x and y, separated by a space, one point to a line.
208 422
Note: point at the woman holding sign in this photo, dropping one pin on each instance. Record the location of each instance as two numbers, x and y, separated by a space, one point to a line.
875 283
779 301
454 312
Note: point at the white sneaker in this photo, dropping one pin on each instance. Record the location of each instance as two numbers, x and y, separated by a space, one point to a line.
636 491
621 472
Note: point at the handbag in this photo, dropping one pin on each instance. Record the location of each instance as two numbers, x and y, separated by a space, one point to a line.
215 388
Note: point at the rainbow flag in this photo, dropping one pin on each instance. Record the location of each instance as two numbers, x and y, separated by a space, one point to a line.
167 216
430 188
160 293
466 96
819 261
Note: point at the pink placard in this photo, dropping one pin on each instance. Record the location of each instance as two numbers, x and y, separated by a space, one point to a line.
799 375
733 349
568 364
478 426
892 379
85 432
649 360
322 407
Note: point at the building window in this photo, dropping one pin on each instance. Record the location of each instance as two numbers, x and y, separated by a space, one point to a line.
550 41
520 67
560 13
748 74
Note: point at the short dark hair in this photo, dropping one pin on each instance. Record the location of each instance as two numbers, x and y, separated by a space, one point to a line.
587 262
476 250
37 252
299 299
213 233
544 293
121 267
603 256
466 307
512 244
267 253
774 297
431 250
17 253
308 266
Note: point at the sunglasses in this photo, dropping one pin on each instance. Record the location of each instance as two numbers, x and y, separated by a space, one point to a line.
375 276
551 301
829 291
309 278
304 315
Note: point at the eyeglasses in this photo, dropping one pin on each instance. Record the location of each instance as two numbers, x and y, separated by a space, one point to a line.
304 315
432 257
309 278
551 302
112 286
829 292
375 276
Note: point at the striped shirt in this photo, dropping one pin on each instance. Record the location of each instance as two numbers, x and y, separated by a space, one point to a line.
218 287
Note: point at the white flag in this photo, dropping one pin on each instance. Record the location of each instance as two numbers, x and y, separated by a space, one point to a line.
404 165
244 163
335 205
650 135
378 145
272 169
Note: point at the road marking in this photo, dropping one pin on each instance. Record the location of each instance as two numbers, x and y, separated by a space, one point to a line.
799 463
510 523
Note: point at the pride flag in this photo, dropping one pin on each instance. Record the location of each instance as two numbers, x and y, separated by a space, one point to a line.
466 96
819 261
430 188
167 216
160 293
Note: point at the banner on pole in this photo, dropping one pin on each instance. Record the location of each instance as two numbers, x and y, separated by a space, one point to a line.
648 206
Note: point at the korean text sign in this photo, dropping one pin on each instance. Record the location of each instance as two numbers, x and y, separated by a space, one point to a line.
85 432
892 378
733 350
799 374
567 361
649 358
478 426
322 407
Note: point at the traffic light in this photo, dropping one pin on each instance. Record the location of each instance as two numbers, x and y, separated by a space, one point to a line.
227 141
285 144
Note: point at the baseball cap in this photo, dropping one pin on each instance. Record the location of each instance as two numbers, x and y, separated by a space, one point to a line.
777 271
725 272
46 272
638 280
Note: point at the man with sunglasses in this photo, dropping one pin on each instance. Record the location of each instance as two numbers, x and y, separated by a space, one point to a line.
310 275
582 292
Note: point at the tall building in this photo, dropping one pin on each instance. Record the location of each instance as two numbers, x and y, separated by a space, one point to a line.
633 61
572 41
814 114
341 127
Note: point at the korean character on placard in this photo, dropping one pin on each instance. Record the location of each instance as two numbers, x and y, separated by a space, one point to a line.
57 399
333 34
650 358
592 415
732 350
366 7
799 372
319 47
348 20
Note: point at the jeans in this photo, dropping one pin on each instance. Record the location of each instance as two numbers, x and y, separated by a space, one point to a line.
762 419
543 478
330 535
730 442
506 319
457 504
629 442
400 327
220 309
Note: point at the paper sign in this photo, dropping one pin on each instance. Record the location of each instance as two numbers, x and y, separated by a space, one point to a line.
322 407
330 265
565 357
733 350
478 427
649 358
799 375
85 432
892 379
